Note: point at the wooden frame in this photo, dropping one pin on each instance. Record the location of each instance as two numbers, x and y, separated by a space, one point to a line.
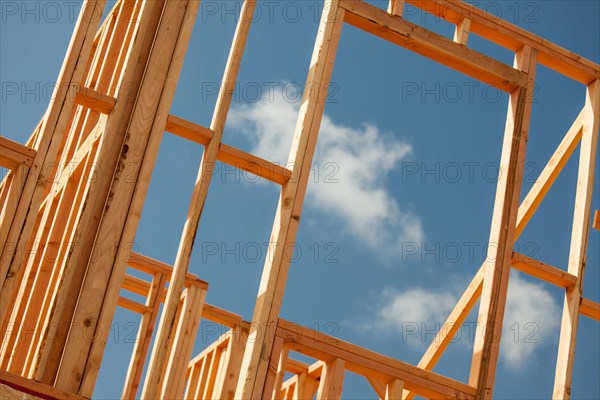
142 44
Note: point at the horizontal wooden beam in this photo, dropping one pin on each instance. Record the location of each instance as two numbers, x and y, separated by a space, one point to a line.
590 309
596 223
370 364
34 388
210 312
540 270
296 367
429 44
512 37
151 266
13 154
549 174
224 317
228 154
94 100
188 130
253 164
134 306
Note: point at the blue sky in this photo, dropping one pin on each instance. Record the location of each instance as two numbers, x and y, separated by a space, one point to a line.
397 214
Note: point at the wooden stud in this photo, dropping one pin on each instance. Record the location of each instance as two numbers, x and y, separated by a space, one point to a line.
393 390
379 387
142 343
69 368
198 199
12 154
268 302
502 235
183 343
118 221
461 33
281 369
512 37
396 7
332 381
269 384
36 388
49 140
579 243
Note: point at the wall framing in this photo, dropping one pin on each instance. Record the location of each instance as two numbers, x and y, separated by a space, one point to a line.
111 107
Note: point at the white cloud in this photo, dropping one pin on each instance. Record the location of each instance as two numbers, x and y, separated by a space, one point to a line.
531 319
353 165
534 316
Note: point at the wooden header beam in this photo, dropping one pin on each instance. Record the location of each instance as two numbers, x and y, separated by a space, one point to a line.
512 37
13 154
34 388
436 47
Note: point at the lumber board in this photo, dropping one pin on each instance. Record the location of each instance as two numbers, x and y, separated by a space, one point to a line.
579 243
513 37
590 309
527 208
35 388
596 223
461 33
376 21
183 343
67 366
542 271
133 305
165 43
198 199
332 380
12 154
49 139
144 335
228 154
268 301
369 363
94 100
502 233
393 390
152 266
396 7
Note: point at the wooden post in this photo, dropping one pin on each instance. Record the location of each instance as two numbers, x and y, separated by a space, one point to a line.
183 343
504 220
65 366
332 381
203 180
393 390
143 141
268 303
142 343
231 372
579 242
48 143
271 378
396 7
283 358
